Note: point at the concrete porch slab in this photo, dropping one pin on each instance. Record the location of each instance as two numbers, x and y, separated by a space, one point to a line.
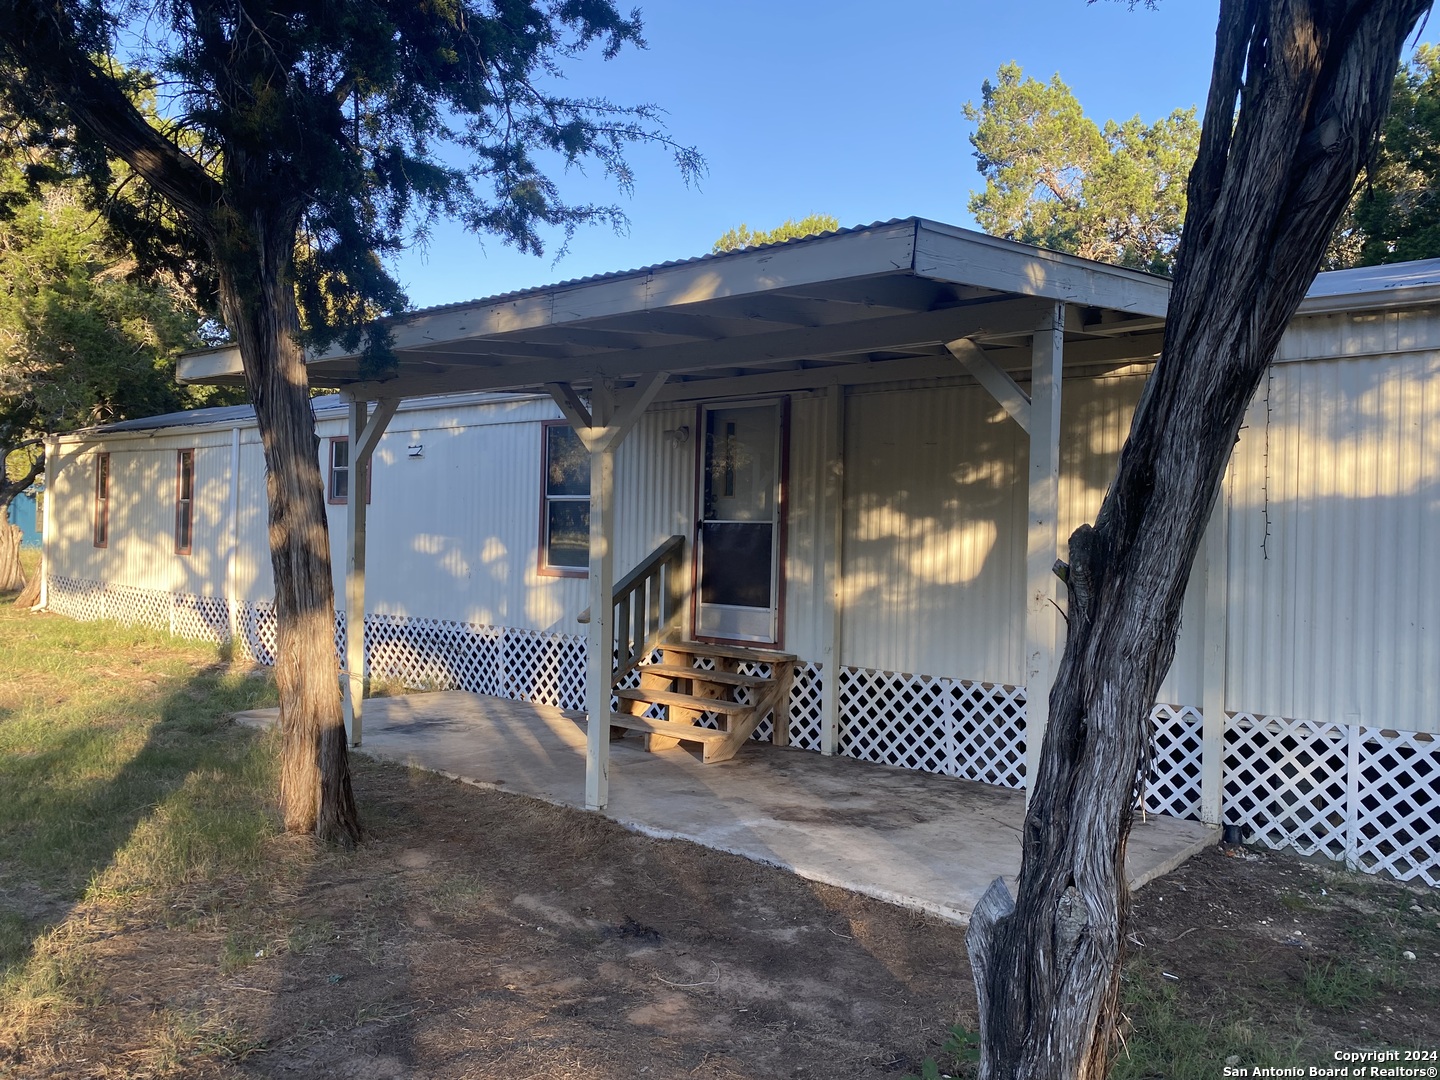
927 842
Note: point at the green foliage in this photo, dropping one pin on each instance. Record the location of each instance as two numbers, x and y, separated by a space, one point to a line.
85 338
1395 214
1056 178
341 132
959 1056
743 236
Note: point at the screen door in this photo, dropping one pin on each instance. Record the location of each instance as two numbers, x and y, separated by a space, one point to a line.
738 534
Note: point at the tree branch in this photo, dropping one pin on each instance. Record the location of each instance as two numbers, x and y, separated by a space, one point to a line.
45 36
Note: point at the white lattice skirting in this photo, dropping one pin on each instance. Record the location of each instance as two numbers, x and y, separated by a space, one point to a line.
1367 796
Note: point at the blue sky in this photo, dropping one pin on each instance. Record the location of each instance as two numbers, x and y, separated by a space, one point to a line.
839 107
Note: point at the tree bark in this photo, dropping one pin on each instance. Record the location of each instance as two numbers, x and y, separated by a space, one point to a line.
12 574
248 219
261 312
30 594
1312 79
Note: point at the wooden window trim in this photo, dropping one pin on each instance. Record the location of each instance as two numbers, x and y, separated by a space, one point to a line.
543 568
100 525
350 471
184 501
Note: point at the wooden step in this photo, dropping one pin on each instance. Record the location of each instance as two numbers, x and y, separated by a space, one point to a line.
728 678
668 728
733 652
685 701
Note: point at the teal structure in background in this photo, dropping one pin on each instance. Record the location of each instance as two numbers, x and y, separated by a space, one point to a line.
24 512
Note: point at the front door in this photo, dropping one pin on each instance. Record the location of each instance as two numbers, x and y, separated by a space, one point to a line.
738 536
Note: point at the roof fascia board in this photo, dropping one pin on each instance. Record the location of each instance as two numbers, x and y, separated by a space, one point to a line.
963 257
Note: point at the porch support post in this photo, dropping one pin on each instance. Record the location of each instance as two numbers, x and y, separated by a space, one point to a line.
1042 542
365 431
47 523
1212 702
600 633
601 427
833 588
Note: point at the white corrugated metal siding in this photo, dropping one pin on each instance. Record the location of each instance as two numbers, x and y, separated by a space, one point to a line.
935 526
804 530
1335 516
1331 618
934 578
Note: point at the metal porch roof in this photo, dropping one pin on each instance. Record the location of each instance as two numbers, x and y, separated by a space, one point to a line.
863 304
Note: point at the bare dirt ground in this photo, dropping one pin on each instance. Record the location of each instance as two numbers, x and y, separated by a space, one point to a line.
1297 956
485 935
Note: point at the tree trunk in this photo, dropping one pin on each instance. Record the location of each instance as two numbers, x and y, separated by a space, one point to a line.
30 594
258 298
1312 79
12 574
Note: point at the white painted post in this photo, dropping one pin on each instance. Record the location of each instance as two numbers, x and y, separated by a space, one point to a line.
232 554
832 591
1216 553
47 523
601 428
353 687
1042 541
365 431
600 634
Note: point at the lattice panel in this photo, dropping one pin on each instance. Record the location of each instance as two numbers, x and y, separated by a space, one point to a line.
200 618
904 720
139 607
257 632
548 669
1285 783
435 653
990 733
1173 783
1395 803
77 599
806 717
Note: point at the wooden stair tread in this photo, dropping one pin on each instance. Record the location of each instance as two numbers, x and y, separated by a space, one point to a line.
729 678
733 652
685 701
689 732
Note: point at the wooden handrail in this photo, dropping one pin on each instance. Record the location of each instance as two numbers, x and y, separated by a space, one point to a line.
646 605
644 569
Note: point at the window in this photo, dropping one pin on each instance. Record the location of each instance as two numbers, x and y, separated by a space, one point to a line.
102 499
184 500
338 490
565 508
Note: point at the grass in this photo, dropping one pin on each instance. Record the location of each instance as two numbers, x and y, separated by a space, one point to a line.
124 789
1339 984
1163 1039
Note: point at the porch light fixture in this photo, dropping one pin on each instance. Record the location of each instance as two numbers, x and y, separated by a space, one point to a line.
679 436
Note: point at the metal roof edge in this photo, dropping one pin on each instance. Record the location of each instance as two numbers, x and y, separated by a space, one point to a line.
1034 251
1370 300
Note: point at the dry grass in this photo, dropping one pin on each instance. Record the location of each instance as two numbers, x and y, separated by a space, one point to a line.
125 793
